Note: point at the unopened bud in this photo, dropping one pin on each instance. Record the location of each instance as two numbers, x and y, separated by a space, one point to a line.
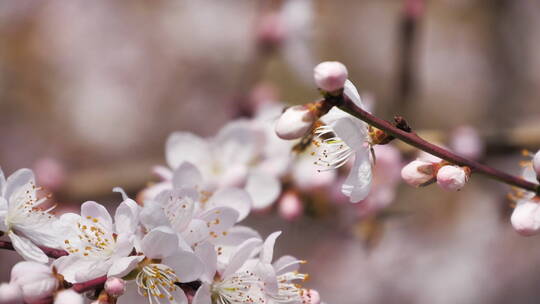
452 178
418 173
330 76
115 286
536 164
526 217
68 296
290 206
10 294
311 296
294 122
36 280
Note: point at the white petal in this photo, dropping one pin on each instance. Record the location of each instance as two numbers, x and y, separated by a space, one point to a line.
242 254
152 215
207 253
184 146
27 271
235 198
28 250
76 269
334 114
95 210
187 175
264 189
351 92
187 266
151 192
352 131
267 273
267 253
237 235
122 192
202 296
124 245
179 205
45 234
196 231
123 266
179 297
159 243
286 263
36 280
126 218
219 220
164 173
3 213
95 269
236 143
2 182
17 185
358 183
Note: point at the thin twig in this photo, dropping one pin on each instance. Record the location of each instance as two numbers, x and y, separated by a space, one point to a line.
412 139
89 285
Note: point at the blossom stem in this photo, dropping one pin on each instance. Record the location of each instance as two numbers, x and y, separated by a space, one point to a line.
345 104
89 285
50 252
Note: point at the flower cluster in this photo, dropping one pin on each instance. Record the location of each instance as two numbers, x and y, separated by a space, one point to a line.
180 240
182 244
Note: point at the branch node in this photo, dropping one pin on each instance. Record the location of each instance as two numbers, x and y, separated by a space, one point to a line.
401 123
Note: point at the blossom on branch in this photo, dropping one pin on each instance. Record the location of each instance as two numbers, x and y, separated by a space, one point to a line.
23 219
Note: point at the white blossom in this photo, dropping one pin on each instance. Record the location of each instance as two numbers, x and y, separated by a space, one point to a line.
95 244
163 264
341 138
22 218
235 157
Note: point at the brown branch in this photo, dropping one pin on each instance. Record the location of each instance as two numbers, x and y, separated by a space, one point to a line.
50 252
412 139
89 285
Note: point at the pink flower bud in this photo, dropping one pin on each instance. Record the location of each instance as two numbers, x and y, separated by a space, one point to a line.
10 294
115 286
290 206
311 296
68 296
536 164
294 122
36 280
418 173
526 217
452 178
330 76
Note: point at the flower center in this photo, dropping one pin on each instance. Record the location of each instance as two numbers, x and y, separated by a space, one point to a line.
332 152
93 239
24 208
156 282
242 287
